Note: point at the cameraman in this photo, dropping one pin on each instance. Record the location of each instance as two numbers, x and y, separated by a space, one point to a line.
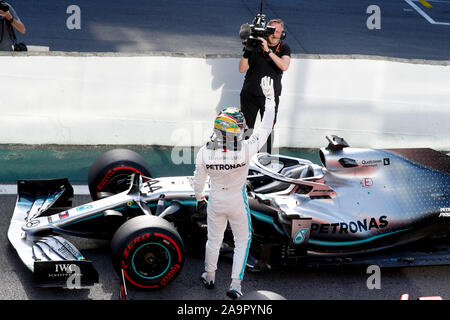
273 58
8 16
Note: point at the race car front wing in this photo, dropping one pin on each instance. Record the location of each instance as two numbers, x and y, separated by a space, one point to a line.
53 260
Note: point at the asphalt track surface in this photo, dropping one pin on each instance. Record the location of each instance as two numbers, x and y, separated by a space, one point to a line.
408 28
294 284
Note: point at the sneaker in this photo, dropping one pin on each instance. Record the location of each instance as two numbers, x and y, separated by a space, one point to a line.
235 289
207 280
234 293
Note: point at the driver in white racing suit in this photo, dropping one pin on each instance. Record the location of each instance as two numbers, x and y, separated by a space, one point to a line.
226 159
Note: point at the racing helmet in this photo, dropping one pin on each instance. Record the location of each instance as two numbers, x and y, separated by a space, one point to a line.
230 123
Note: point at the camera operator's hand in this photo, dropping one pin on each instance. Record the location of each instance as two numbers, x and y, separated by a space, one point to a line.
6 15
5 12
264 44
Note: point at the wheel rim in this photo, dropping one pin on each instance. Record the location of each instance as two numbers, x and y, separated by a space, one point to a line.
151 260
117 180
118 183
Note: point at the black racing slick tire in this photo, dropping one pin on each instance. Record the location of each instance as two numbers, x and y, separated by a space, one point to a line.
149 251
111 170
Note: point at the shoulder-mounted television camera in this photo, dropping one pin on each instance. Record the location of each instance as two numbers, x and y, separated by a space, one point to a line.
250 33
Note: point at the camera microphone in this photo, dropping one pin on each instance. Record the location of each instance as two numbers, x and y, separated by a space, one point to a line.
245 31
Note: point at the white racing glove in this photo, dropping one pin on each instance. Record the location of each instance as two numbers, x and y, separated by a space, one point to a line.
268 91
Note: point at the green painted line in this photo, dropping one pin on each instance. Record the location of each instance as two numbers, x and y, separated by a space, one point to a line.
73 162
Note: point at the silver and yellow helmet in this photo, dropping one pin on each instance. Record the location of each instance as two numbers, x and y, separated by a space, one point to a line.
230 124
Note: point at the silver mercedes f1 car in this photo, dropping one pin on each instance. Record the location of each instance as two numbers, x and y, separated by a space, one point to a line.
360 206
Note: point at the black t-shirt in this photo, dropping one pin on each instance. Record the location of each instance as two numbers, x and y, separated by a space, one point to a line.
260 65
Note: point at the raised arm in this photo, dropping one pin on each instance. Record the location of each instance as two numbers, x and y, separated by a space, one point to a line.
260 135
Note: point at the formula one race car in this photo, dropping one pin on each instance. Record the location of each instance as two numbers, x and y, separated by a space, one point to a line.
361 206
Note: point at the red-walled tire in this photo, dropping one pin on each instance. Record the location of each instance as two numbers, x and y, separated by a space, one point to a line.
149 251
110 171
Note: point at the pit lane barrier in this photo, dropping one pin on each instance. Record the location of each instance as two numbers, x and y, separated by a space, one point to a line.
170 99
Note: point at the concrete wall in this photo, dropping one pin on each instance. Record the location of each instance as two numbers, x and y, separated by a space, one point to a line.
150 99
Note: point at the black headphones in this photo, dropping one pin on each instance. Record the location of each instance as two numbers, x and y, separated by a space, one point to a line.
283 33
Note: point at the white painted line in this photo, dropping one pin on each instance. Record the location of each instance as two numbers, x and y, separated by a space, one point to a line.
38 48
8 189
423 14
78 190
420 11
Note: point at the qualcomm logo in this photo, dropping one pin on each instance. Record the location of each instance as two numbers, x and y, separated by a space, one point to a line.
300 236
